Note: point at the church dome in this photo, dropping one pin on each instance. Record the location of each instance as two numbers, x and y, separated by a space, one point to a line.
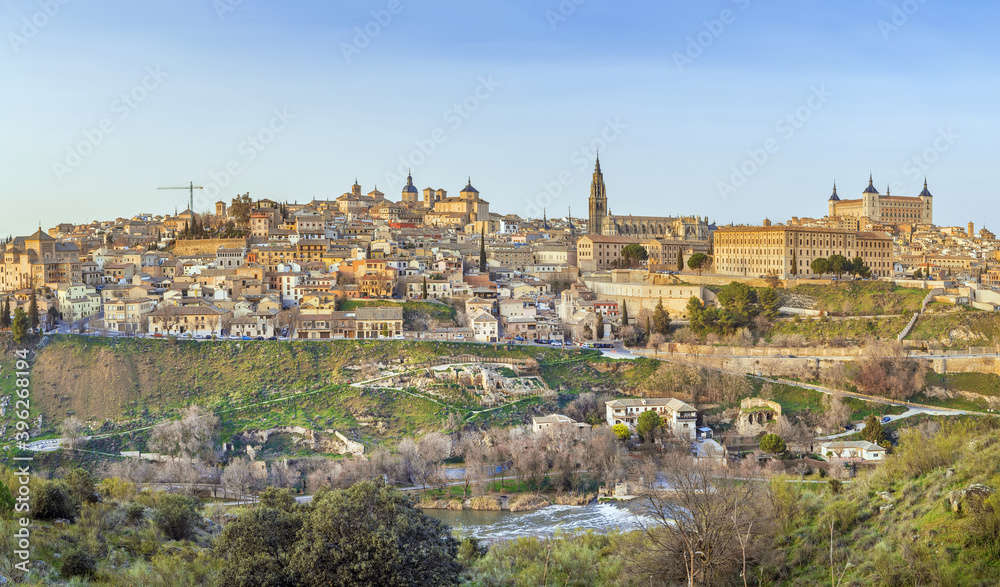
409 188
468 188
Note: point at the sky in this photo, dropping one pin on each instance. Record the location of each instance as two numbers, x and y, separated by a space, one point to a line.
734 110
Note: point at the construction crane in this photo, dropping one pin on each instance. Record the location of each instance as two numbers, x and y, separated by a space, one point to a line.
191 188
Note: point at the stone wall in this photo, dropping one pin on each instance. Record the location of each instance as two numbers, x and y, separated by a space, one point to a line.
206 246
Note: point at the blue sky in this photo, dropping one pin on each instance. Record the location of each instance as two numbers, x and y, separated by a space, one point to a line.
734 110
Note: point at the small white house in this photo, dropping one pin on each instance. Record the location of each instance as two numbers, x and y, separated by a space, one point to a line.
853 450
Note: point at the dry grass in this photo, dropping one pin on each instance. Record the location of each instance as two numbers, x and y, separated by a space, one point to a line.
484 503
527 501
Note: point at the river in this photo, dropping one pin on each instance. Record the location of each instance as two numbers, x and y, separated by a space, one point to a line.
544 522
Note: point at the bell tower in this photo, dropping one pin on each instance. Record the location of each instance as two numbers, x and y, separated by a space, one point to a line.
598 200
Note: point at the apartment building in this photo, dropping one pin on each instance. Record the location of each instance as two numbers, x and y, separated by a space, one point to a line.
126 314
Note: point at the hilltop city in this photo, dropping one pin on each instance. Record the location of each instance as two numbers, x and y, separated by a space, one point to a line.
257 268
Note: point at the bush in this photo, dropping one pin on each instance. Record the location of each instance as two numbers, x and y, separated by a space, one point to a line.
134 513
116 488
176 516
279 499
621 431
53 501
78 563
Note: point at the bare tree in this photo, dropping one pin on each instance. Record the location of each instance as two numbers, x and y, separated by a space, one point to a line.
434 448
703 518
71 431
282 475
193 436
241 477
605 455
837 412
885 370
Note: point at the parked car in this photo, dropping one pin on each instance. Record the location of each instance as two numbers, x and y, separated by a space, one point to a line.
272 338
519 338
157 335
885 419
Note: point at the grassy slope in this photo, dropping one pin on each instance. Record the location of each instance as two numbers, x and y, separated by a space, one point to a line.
133 383
860 298
977 328
919 540
852 328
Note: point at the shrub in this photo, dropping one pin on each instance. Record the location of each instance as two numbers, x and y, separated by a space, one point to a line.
176 516
78 563
116 488
279 499
53 501
134 513
621 431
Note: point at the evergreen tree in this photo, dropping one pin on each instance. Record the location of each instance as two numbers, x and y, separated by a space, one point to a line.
482 251
624 313
600 327
20 326
661 319
5 314
680 260
33 309
423 289
873 431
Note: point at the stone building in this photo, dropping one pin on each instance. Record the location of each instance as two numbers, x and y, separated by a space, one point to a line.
603 222
787 251
886 209
37 260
